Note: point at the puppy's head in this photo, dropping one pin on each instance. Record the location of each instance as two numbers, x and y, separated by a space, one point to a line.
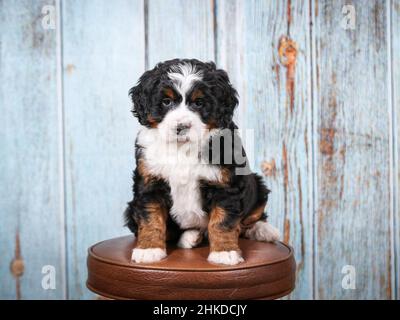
184 99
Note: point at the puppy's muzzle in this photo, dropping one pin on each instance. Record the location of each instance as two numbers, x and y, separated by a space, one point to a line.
183 128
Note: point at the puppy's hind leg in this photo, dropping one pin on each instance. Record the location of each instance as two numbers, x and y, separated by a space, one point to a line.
256 227
262 231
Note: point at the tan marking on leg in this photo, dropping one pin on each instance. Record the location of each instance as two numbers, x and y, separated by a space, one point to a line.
253 217
222 239
152 231
144 172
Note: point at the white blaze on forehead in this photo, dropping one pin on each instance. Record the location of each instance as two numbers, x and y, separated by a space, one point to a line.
184 76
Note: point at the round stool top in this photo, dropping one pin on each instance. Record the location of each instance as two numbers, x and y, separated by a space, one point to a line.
267 273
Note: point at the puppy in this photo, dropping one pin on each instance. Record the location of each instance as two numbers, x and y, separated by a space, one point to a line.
192 176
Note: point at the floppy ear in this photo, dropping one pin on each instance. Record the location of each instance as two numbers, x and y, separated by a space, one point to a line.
226 96
141 97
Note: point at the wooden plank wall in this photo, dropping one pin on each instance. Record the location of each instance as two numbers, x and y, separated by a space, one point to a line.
394 60
179 28
321 101
101 61
275 103
352 150
32 226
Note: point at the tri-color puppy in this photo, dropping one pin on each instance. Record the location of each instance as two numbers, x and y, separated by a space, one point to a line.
192 176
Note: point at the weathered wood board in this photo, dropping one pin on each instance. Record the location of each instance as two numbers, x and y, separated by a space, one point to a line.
321 100
273 82
395 72
230 48
103 56
179 29
352 151
32 226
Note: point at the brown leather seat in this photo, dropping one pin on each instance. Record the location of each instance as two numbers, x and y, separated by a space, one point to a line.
267 273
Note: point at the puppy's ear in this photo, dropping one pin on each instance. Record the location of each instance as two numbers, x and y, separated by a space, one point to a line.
226 96
141 97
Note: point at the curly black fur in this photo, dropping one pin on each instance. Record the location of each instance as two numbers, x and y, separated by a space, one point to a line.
220 97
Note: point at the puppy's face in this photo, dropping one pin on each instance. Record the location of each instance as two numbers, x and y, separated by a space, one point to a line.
184 99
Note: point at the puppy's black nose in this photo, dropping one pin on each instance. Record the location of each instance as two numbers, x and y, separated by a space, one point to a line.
182 128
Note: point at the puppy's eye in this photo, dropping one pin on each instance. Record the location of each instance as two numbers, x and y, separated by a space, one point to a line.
167 102
199 102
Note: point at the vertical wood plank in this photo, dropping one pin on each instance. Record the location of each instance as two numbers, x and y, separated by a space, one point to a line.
278 109
352 132
249 34
395 59
180 29
231 48
103 57
31 215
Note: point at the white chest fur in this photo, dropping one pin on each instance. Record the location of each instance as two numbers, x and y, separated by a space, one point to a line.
181 168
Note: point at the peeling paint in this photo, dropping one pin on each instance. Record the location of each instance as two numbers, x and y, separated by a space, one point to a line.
332 185
341 186
302 245
306 140
289 15
287 54
70 68
286 231
277 68
389 273
285 166
379 29
17 266
326 144
269 168
285 193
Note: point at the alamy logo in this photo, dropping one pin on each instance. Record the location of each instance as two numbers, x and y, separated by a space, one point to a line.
49 278
349 279
349 19
224 146
49 18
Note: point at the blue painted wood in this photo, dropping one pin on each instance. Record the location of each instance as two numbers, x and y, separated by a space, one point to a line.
230 48
103 56
180 29
352 119
249 34
346 139
395 64
31 215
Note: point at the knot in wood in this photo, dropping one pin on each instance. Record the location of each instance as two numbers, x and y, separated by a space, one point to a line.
17 267
287 51
268 168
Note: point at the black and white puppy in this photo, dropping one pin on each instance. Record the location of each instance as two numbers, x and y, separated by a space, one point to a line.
192 176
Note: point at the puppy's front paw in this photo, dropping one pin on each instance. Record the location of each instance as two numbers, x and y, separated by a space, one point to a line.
225 257
148 255
189 239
